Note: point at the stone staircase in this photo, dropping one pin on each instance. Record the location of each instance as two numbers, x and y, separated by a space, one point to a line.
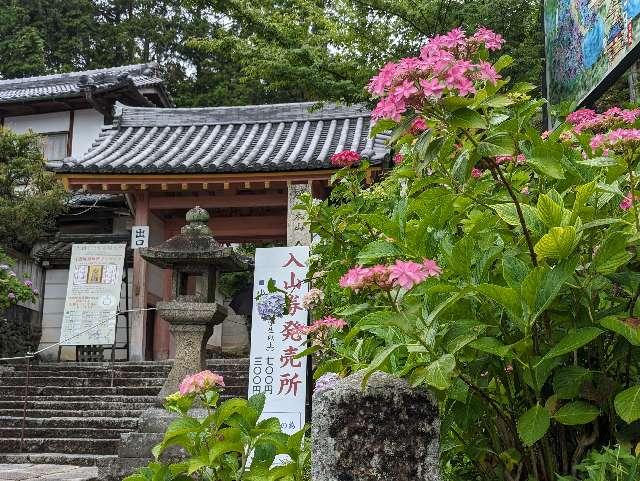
76 412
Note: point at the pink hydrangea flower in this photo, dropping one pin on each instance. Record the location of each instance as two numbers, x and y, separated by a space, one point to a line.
488 73
432 87
354 278
418 125
525 190
627 202
405 90
312 298
431 268
491 40
346 158
325 323
407 274
398 158
200 382
581 115
475 172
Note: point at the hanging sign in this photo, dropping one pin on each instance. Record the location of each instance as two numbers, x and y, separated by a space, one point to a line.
273 370
139 236
93 294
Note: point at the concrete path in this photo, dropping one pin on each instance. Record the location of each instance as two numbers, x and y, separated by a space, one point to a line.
46 472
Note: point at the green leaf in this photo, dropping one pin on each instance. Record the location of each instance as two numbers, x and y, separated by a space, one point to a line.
381 126
575 413
467 119
599 162
257 402
533 425
438 374
495 145
568 381
376 250
508 213
549 212
507 297
378 361
227 409
627 404
546 160
492 346
497 101
558 243
612 253
503 62
182 426
542 285
573 341
629 332
514 271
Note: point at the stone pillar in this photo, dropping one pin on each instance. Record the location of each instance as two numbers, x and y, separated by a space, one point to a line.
298 233
389 431
137 339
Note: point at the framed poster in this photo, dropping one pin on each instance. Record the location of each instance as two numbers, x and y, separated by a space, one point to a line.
93 294
589 44
273 369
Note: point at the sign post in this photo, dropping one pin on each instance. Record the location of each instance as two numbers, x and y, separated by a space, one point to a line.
93 295
273 370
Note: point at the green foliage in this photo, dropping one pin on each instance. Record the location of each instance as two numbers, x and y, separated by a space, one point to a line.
230 443
610 464
13 287
533 322
30 197
233 52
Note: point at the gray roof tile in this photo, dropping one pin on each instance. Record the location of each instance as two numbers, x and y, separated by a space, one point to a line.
66 85
281 137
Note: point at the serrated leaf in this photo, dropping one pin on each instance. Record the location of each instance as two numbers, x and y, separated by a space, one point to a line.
629 332
467 119
376 250
575 413
533 425
381 126
568 381
612 253
181 426
558 243
514 271
495 145
505 296
627 404
546 159
438 374
379 360
549 212
492 346
508 213
573 341
503 62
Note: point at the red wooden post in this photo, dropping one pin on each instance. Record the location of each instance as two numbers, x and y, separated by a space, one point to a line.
139 318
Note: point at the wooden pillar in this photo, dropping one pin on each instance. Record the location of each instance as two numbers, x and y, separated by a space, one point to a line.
298 233
139 318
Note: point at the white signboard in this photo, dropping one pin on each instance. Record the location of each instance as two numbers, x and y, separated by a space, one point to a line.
93 294
139 236
274 371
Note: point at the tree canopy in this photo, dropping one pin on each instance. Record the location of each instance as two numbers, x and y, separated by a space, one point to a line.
30 197
230 52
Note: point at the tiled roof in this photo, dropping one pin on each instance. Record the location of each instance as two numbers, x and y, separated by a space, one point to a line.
281 137
70 84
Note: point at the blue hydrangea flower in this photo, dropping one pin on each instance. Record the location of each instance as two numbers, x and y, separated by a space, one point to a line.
271 306
326 382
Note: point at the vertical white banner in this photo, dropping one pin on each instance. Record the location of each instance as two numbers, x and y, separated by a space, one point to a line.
273 370
93 294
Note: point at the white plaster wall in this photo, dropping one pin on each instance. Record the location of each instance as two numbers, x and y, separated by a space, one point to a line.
52 311
87 125
41 123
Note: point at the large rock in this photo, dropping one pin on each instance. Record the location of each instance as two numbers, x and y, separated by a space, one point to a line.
388 432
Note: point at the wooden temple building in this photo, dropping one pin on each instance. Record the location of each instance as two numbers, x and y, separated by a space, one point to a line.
246 165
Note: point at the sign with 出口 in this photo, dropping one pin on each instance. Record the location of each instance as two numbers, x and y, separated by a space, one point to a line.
93 294
139 236
274 370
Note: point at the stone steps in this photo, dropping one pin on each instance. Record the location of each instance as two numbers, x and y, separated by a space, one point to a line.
100 422
60 445
77 412
64 432
57 458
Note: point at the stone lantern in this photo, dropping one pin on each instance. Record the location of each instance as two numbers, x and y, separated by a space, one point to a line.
196 260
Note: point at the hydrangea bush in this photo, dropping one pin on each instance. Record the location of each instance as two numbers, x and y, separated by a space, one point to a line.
493 264
230 442
13 289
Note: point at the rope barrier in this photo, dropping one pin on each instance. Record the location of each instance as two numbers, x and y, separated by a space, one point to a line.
31 355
